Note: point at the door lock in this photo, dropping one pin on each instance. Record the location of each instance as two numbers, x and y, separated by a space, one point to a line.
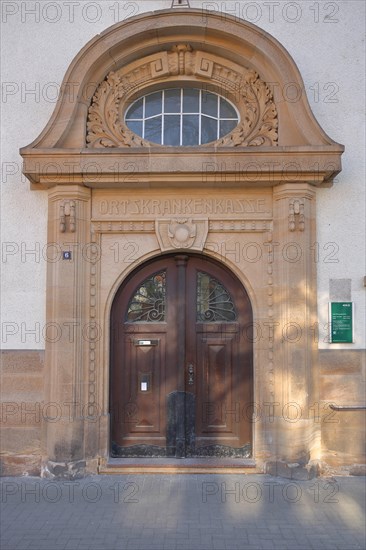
190 374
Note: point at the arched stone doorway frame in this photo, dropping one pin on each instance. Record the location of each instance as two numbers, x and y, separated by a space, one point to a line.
238 275
241 344
280 164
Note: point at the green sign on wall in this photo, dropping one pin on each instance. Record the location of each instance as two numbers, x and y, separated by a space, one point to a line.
341 322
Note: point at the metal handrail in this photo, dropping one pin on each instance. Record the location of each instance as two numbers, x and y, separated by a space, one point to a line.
347 407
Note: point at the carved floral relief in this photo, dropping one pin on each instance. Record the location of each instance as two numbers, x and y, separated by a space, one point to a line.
259 121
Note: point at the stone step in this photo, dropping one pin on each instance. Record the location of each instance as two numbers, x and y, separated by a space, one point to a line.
177 466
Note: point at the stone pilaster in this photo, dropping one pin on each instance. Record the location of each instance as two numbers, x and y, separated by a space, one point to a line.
295 437
67 330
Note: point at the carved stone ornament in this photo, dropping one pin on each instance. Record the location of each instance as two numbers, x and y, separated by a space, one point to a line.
296 214
181 233
67 216
258 124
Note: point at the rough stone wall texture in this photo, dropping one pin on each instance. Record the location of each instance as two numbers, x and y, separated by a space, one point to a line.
22 411
342 383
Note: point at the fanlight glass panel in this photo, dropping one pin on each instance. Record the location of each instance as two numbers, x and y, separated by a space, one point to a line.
181 116
214 302
148 303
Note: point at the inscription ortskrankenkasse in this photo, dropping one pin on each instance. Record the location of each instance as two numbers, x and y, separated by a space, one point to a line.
180 206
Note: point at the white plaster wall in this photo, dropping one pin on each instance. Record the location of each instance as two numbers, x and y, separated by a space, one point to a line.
324 38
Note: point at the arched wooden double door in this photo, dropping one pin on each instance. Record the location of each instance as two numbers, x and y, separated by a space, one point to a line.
181 362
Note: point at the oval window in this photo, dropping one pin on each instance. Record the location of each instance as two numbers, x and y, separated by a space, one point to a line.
181 116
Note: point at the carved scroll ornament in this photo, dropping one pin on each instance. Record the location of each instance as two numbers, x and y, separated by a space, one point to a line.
258 124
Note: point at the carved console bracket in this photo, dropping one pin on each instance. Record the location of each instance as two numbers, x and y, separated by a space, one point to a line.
258 124
296 215
67 216
178 233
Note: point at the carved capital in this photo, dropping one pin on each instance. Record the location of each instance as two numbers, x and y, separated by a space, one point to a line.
181 233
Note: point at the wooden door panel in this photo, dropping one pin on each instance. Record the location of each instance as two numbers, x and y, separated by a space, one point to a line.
139 416
145 383
216 365
216 382
218 308
154 407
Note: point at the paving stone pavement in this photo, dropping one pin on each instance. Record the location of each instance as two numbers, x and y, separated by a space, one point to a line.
183 512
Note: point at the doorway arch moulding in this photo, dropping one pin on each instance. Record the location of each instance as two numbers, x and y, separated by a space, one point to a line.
86 155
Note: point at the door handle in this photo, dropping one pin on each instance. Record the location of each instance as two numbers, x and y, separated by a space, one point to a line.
190 374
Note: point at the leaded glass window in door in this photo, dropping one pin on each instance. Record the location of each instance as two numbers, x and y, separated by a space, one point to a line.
148 304
214 302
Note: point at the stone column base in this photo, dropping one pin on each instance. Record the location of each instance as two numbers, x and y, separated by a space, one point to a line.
64 470
293 470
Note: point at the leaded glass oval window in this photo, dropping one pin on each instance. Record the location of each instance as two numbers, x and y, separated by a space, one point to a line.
214 302
148 302
181 116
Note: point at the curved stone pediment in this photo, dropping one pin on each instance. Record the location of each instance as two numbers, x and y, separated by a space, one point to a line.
277 131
